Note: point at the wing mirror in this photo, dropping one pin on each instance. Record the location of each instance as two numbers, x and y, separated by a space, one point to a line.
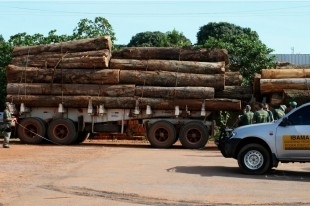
284 122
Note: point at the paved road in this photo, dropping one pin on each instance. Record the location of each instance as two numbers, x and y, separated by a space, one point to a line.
104 174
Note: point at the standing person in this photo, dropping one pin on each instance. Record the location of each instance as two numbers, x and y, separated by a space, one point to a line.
247 117
266 107
279 112
291 105
261 115
7 119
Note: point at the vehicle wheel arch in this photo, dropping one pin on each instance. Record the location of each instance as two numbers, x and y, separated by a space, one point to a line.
249 140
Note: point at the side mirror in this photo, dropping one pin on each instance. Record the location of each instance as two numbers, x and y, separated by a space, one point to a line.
284 122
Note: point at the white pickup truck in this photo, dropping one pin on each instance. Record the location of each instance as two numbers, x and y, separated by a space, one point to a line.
260 147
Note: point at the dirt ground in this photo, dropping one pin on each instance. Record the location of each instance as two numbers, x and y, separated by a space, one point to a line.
121 173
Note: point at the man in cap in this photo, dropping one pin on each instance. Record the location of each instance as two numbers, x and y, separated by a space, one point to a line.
247 116
280 112
292 105
7 119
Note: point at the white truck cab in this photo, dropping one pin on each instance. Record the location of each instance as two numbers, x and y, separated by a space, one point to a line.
260 147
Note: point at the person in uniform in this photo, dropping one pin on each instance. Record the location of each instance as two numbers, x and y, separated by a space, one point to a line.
247 117
266 107
279 112
261 115
291 105
7 120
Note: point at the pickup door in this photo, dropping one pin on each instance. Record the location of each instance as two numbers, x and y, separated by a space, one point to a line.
293 137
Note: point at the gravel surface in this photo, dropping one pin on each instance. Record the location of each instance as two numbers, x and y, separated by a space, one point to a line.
133 173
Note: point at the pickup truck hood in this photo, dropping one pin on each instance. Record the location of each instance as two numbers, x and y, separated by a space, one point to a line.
262 130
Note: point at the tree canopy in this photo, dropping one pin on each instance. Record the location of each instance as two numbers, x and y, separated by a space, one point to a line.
5 59
99 27
85 29
159 39
246 52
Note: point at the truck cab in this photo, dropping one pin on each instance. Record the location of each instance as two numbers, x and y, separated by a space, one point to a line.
260 147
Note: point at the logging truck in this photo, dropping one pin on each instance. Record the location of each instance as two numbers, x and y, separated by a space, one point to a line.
66 91
71 125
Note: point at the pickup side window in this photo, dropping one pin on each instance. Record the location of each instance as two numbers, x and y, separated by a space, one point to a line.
300 116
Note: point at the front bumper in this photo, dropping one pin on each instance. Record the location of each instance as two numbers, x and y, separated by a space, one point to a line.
227 145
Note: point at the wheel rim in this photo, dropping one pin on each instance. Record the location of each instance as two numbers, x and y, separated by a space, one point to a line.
61 131
193 135
253 159
31 130
161 134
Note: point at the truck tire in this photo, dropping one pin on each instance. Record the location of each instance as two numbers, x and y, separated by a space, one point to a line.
31 130
62 131
161 134
194 135
254 159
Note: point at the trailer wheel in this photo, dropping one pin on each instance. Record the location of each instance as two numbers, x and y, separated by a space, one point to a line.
161 134
194 135
254 159
31 130
62 131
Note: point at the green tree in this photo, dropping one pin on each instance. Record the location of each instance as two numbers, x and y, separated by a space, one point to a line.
221 29
176 38
159 39
99 27
5 59
149 39
24 39
246 52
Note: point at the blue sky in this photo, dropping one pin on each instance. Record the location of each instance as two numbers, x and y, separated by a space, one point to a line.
281 25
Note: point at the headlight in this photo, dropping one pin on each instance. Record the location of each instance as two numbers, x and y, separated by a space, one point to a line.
232 134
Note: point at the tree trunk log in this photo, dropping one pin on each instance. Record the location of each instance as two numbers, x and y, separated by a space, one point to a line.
173 53
233 79
17 74
277 85
100 43
77 60
276 99
256 85
171 79
169 65
285 73
71 89
300 96
125 102
175 92
243 93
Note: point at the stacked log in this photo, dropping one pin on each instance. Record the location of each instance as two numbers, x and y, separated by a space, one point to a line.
75 72
84 53
187 76
285 85
173 53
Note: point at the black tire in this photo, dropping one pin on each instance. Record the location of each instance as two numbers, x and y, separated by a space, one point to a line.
31 130
62 131
254 159
194 135
162 134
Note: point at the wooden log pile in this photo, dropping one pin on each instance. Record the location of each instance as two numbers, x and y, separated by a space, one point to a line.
285 85
74 72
